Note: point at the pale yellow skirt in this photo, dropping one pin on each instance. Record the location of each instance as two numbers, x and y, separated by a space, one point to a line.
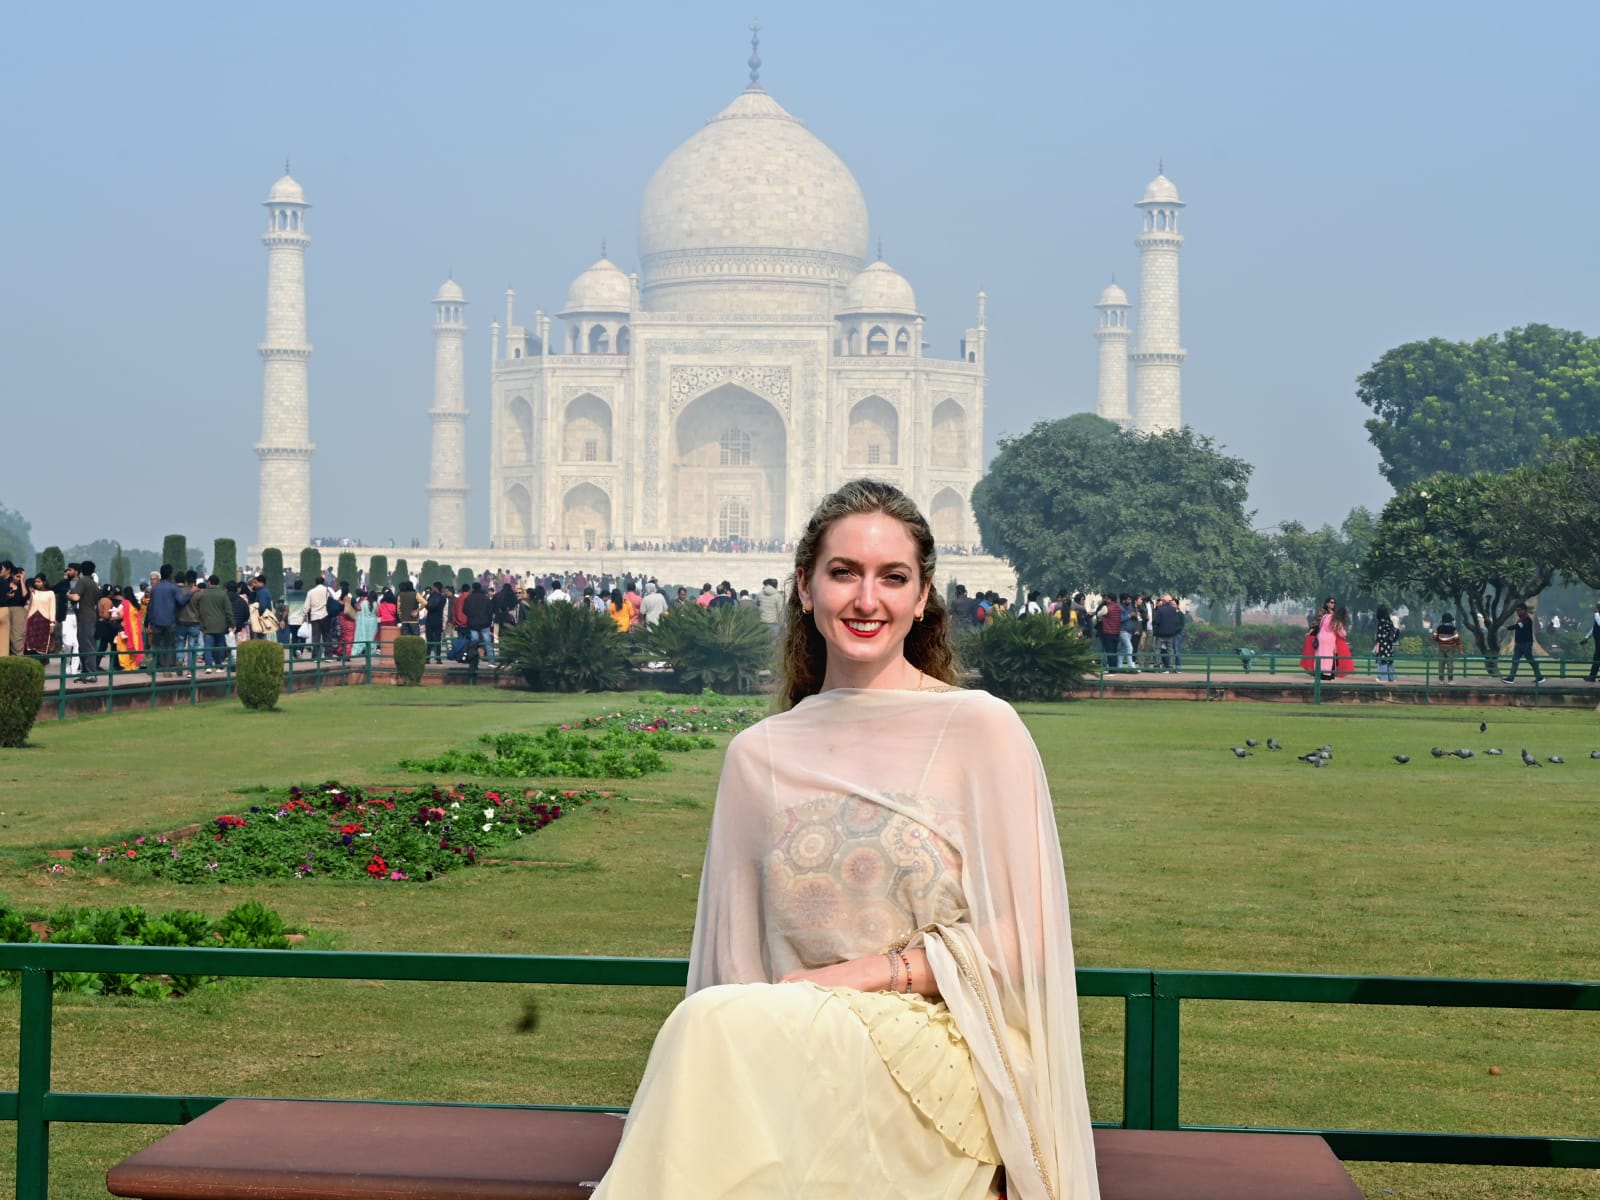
792 1090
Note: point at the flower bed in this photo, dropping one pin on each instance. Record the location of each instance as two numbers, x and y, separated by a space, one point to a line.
617 753
334 831
709 714
249 926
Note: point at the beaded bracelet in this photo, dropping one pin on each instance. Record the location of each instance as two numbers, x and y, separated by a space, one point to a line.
907 962
894 971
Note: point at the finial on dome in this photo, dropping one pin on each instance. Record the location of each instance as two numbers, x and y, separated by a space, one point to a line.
755 54
880 249
286 170
602 247
1161 166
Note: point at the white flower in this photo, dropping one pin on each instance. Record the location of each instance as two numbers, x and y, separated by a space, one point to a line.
488 825
488 813
455 804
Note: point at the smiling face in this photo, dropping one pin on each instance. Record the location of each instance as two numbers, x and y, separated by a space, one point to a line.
864 594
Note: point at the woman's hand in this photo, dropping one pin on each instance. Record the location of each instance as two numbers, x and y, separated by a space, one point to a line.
872 974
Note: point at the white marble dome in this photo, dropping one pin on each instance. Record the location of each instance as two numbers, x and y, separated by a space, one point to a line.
449 292
286 191
603 288
1113 295
1161 191
880 289
750 205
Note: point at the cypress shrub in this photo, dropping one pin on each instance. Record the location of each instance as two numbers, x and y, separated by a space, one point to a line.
175 550
1030 658
52 563
410 658
260 674
378 573
447 573
401 573
272 569
725 649
564 648
426 576
225 559
310 566
121 569
21 693
348 571
464 579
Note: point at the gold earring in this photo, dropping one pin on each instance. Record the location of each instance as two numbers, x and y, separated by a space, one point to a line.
805 608
918 617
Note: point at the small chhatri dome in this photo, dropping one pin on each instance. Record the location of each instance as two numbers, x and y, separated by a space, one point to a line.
602 288
880 289
286 191
450 291
1113 295
1161 191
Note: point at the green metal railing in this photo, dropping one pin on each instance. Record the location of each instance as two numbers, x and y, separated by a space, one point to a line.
1220 670
311 664
1152 1002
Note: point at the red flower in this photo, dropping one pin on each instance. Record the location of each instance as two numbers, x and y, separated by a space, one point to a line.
377 866
133 854
353 827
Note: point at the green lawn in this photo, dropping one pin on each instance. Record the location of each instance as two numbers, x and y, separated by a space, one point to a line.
1179 855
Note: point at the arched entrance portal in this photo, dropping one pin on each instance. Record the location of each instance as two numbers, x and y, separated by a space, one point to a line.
585 518
730 453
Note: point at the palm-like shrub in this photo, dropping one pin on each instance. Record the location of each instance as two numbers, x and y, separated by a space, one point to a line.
260 675
410 658
726 649
564 648
21 693
1030 658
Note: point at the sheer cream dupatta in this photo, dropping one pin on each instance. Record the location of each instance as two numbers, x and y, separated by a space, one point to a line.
961 765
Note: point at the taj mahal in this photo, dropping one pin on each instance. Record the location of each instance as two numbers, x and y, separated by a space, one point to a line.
755 360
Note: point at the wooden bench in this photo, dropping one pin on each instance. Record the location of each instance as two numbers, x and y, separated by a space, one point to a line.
332 1150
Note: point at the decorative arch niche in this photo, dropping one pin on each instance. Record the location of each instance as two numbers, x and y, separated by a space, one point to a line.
873 437
516 522
949 435
516 446
947 516
586 517
586 430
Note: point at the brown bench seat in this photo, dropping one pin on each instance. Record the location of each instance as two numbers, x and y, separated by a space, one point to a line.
332 1150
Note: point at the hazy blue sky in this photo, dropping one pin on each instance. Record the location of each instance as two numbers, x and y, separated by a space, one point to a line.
1358 175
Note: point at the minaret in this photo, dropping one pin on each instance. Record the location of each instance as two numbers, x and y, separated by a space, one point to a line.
283 514
1111 396
447 468
1157 355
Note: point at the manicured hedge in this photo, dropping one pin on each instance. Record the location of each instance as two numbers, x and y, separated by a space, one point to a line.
260 680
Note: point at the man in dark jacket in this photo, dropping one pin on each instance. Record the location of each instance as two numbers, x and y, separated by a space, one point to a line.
216 618
433 621
1166 624
86 595
480 613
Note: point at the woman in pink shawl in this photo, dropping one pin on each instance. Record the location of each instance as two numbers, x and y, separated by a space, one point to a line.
882 998
1327 649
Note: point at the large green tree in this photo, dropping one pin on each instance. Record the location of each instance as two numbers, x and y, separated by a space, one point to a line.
1080 503
1488 405
1315 563
1449 538
1558 504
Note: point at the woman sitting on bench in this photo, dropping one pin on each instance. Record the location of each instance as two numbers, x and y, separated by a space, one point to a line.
881 989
